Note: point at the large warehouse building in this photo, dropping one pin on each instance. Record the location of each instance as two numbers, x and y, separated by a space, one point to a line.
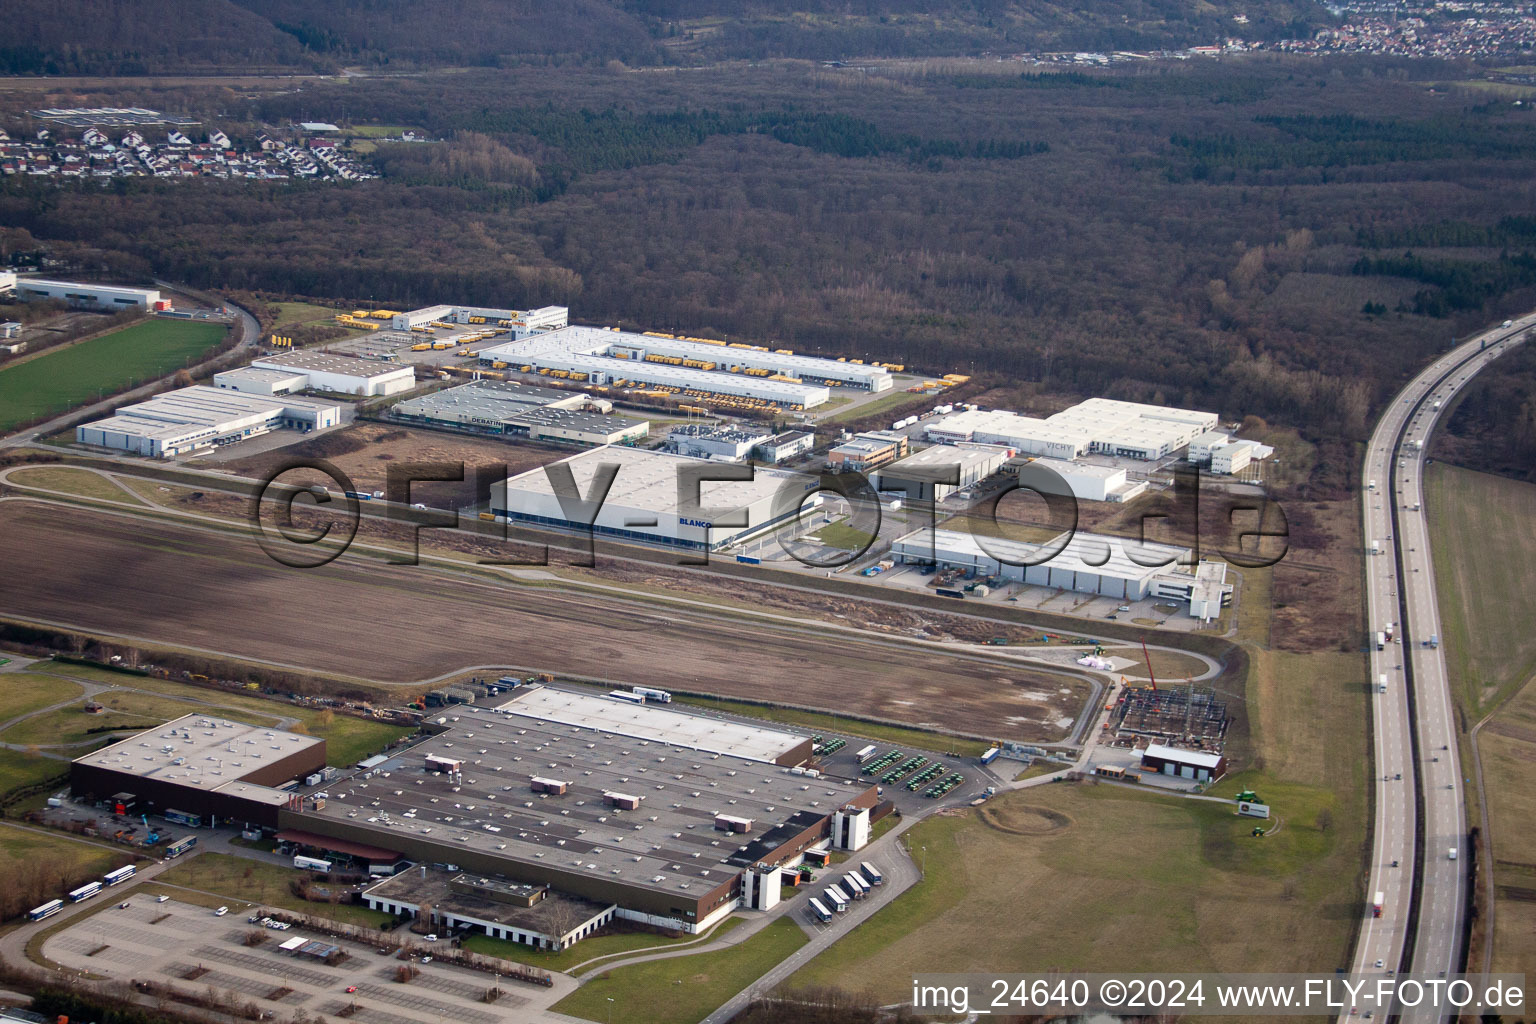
645 813
690 366
87 296
1089 482
517 410
935 473
203 766
522 322
1100 425
644 501
1088 563
190 419
342 375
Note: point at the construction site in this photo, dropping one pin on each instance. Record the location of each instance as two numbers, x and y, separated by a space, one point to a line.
1189 716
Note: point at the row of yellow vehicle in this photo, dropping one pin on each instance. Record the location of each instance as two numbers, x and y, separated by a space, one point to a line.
351 321
280 341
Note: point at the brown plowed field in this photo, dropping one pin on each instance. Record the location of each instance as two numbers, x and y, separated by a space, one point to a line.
362 618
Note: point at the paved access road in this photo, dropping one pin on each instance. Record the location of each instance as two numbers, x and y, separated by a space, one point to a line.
1414 721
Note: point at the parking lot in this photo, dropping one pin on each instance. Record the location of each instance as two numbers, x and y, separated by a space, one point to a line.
186 945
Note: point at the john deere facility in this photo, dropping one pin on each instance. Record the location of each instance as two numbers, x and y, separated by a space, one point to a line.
197 418
650 499
1085 562
1098 425
695 367
639 812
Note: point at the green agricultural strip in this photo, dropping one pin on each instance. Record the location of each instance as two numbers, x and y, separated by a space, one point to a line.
56 382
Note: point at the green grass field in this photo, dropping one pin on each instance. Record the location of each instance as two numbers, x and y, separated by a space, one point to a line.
1078 876
19 769
292 314
56 382
348 739
833 724
125 710
884 404
586 949
682 988
22 693
68 856
1483 537
260 882
841 535
72 481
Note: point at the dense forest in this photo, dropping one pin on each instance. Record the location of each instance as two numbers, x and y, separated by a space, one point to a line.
136 37
1050 237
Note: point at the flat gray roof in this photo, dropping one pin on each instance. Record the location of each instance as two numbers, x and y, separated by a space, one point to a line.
487 400
199 751
325 362
257 373
668 844
652 722
1083 552
554 911
648 480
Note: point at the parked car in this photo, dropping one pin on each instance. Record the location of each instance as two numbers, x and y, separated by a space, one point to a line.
221 912
161 898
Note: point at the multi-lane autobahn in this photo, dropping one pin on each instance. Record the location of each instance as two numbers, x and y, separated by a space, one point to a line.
1418 858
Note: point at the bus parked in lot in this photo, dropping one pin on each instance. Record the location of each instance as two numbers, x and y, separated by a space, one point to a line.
866 753
311 863
817 908
181 846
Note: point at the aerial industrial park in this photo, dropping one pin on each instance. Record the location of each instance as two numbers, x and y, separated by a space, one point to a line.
547 811
765 517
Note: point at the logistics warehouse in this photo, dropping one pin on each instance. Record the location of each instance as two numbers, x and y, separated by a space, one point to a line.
657 497
667 818
690 366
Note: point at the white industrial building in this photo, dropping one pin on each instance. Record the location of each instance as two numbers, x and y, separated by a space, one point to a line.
252 380
1085 562
1200 447
7 281
343 375
689 365
1226 455
1089 482
935 473
1102 425
652 499
518 410
785 446
721 444
87 296
201 417
523 322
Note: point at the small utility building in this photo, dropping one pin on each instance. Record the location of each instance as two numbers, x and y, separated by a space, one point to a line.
1200 765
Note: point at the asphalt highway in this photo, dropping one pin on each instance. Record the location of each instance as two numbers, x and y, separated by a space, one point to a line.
1418 777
